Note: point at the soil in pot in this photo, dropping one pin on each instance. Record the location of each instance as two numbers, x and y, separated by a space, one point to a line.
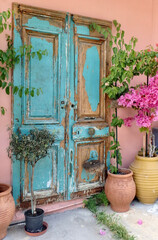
34 222
120 190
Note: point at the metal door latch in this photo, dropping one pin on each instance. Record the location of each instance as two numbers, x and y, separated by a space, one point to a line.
91 131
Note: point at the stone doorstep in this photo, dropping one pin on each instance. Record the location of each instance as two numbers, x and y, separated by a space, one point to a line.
51 208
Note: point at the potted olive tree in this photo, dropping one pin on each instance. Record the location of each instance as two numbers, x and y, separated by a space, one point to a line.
31 148
126 63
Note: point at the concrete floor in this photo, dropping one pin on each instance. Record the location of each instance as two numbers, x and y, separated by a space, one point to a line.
80 224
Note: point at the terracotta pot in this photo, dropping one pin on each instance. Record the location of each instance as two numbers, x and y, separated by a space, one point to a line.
7 208
120 190
145 173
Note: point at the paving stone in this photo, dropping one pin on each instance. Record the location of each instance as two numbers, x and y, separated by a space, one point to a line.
78 224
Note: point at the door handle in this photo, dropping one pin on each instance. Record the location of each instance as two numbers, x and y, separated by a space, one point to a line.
91 131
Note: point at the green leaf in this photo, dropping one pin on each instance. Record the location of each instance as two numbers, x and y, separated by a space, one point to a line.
0 20
39 55
94 25
10 84
15 90
105 34
109 30
144 129
9 13
128 47
91 27
21 50
110 43
38 92
4 15
122 34
118 27
5 25
2 110
20 92
115 146
1 28
118 35
113 169
119 43
4 84
27 91
33 54
138 66
32 93
115 50
112 134
7 90
115 22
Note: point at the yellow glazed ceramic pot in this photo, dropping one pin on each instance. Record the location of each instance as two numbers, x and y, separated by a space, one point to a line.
145 174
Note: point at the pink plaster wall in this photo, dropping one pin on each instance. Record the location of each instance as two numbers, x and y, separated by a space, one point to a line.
155 22
138 18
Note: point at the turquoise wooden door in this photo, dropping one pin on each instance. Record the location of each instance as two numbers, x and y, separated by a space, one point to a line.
72 104
88 117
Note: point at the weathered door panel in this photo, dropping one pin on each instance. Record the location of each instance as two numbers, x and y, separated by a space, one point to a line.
45 110
44 76
89 151
91 101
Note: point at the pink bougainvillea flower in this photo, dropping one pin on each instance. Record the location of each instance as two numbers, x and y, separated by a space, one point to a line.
102 232
128 121
144 99
140 222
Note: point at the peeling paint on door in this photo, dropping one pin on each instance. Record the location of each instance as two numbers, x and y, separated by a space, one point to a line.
91 74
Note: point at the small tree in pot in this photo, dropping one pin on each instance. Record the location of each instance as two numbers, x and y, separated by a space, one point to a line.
31 148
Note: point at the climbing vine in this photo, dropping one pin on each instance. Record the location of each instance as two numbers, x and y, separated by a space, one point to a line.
10 57
126 63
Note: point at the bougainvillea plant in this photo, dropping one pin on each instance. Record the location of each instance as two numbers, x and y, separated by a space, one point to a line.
144 99
126 63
